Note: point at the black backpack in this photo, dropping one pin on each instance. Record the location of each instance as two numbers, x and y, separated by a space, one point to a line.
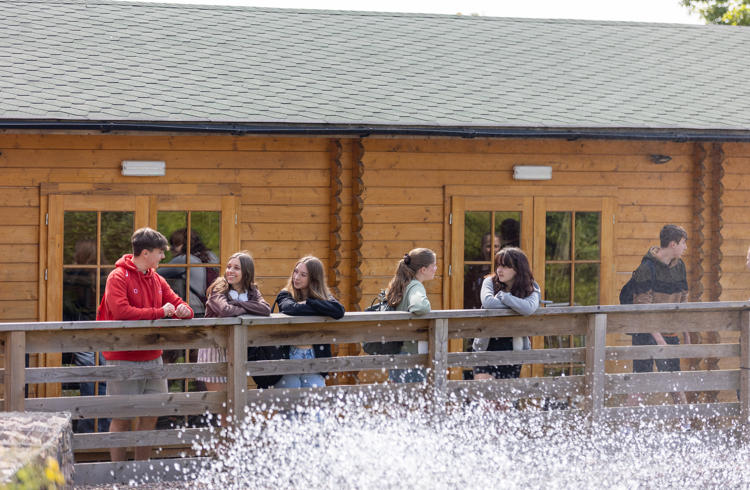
627 293
381 348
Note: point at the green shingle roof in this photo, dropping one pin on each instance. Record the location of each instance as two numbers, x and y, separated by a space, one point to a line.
67 60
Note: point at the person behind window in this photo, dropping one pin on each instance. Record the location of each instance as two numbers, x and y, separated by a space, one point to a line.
476 274
232 295
511 286
306 293
407 293
199 276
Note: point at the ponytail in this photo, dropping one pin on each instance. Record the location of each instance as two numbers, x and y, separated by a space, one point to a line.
406 270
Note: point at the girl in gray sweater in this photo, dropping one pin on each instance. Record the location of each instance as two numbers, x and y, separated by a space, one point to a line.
511 286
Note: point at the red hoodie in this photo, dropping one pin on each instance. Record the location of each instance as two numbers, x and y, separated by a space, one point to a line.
133 295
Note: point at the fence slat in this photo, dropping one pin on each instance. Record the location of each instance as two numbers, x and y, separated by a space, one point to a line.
335 364
596 336
678 321
510 357
129 339
237 371
119 373
15 358
519 388
123 406
672 351
158 438
437 375
667 382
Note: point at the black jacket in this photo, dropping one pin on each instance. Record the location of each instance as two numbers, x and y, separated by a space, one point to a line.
311 307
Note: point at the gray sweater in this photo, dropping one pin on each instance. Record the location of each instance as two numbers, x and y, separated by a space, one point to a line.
524 306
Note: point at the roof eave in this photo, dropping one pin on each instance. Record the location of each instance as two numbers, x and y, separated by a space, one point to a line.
364 130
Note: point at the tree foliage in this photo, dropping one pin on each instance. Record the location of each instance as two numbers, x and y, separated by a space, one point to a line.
727 12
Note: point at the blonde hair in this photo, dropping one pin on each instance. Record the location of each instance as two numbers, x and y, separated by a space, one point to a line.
317 287
406 270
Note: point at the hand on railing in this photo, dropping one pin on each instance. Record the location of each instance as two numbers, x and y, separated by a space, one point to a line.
169 310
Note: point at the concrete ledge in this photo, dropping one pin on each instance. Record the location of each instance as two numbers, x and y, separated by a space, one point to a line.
36 449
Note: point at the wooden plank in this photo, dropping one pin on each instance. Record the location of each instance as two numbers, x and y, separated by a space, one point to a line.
12 272
18 196
503 176
290 231
517 325
509 357
403 195
18 253
177 160
534 146
123 406
281 399
701 411
236 372
19 234
677 321
27 290
124 472
163 141
335 364
262 177
596 337
437 372
16 310
14 216
652 214
672 351
15 364
262 195
403 214
264 250
131 339
667 382
158 438
275 213
518 388
560 163
337 333
122 373
744 387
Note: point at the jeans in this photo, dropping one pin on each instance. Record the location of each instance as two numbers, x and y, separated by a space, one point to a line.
312 380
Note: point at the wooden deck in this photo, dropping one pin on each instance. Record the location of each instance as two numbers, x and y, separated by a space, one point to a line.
438 327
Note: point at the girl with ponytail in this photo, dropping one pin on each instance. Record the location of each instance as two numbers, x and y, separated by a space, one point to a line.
406 293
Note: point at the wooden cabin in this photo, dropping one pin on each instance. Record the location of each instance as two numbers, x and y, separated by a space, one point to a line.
357 136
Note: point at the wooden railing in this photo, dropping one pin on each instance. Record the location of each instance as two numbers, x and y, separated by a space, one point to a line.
437 327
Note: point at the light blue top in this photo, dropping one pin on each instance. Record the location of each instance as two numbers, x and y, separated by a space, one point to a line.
414 301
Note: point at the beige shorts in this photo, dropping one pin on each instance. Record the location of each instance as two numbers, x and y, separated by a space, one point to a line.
136 386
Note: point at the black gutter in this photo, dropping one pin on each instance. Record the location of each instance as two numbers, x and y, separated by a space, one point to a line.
678 135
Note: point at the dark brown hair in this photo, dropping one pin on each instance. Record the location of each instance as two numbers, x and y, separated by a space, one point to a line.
523 283
147 239
671 233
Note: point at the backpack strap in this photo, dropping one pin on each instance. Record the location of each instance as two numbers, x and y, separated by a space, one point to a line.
273 306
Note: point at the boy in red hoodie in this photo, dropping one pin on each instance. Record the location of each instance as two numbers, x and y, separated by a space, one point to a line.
135 291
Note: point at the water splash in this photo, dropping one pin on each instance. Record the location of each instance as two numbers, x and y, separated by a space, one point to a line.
405 442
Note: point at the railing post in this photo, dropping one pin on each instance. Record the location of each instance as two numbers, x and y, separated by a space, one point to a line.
236 371
15 371
596 337
438 360
745 368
